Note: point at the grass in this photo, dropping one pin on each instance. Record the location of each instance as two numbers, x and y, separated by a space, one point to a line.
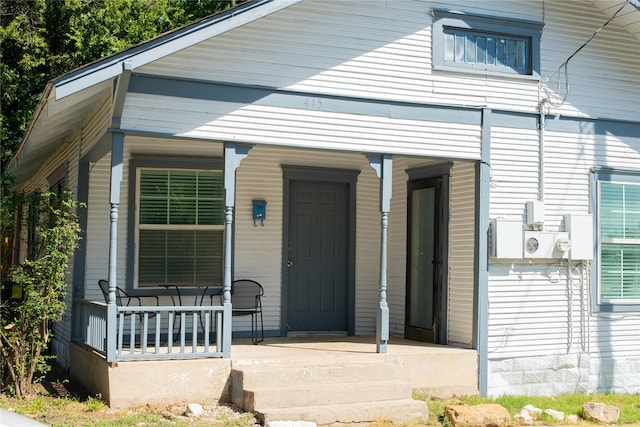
59 403
629 405
92 411
72 412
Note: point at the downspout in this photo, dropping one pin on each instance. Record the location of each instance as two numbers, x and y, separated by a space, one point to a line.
541 126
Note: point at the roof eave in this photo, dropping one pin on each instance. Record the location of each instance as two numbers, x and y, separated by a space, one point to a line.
17 157
165 44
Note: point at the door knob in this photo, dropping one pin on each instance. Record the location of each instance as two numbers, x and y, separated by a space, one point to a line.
289 263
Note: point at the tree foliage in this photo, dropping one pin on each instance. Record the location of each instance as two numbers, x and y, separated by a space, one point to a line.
25 320
43 39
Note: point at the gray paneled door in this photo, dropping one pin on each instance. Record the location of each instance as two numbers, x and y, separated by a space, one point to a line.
317 256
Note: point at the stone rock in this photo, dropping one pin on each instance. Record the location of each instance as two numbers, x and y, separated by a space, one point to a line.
572 419
600 413
484 415
556 415
291 424
523 417
194 410
168 415
533 411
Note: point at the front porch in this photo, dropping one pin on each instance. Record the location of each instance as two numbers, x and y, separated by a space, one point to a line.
282 362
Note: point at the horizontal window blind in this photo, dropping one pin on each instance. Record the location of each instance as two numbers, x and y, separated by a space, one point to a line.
180 257
180 227
181 197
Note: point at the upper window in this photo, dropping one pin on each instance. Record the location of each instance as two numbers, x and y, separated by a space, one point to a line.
618 225
485 44
179 226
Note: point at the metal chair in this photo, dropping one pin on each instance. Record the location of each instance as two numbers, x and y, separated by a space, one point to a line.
123 299
246 300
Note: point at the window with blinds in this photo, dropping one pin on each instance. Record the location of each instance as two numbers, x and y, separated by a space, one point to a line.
619 225
180 227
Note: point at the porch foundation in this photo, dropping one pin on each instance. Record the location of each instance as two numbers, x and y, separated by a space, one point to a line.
436 370
154 382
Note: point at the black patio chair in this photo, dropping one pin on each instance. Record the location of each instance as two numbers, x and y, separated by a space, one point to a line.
246 300
123 299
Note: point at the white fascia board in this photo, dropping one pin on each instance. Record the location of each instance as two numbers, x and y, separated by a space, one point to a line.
165 45
15 161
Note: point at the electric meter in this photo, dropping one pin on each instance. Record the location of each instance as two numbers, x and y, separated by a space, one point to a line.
531 245
563 245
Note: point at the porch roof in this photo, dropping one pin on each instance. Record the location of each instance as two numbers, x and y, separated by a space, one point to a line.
70 100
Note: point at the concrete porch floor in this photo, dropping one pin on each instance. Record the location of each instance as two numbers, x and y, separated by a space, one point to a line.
329 347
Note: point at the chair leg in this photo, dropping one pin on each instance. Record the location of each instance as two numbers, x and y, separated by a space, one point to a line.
254 328
261 327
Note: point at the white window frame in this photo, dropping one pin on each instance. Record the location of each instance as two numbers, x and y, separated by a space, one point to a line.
139 163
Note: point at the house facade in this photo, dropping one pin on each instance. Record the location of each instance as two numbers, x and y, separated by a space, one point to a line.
459 173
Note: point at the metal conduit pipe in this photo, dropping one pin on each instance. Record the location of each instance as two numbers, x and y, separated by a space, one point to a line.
541 126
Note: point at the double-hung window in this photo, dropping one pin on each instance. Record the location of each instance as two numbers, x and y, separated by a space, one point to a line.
618 228
485 44
179 223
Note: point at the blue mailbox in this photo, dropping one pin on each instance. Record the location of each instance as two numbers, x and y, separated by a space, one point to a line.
259 211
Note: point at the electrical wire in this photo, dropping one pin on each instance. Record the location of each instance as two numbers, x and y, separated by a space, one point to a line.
565 64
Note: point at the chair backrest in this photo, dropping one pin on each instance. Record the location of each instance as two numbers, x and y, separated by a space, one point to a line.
104 287
246 293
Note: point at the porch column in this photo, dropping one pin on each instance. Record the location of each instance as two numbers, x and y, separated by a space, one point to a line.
383 167
481 294
233 155
117 155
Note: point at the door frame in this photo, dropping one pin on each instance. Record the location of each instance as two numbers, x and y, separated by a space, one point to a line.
442 172
317 174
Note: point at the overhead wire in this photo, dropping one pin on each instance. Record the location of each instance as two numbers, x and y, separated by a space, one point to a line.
565 64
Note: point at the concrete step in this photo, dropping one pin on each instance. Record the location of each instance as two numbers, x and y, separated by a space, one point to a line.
335 393
289 375
313 394
397 411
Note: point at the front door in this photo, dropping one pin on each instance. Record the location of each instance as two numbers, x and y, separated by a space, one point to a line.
317 256
424 260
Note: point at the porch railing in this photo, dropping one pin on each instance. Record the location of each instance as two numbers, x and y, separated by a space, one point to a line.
151 332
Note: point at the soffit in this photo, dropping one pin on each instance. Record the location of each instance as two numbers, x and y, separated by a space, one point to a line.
628 18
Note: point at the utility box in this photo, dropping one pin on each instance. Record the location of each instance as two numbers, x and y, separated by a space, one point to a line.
580 229
535 214
506 238
546 245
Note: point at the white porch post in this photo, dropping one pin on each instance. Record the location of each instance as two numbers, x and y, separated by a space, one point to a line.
117 155
382 164
233 155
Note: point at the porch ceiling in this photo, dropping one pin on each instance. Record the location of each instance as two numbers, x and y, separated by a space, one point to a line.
55 123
